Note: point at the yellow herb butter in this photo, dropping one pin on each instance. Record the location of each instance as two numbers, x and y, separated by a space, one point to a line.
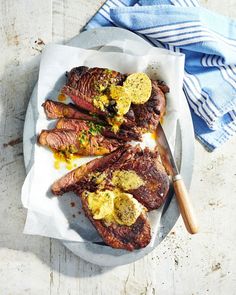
114 206
126 179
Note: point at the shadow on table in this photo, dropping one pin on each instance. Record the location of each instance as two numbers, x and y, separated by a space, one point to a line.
16 89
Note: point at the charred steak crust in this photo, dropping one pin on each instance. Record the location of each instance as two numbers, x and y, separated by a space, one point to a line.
119 236
148 166
147 116
86 80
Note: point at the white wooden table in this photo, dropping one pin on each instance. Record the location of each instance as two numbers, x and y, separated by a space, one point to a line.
183 265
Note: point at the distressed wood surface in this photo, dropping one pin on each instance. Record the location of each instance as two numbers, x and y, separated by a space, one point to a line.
181 265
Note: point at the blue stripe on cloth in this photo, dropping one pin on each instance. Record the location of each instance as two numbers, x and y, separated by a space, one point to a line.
208 41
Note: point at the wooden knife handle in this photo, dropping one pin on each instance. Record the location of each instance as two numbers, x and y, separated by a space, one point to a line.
185 205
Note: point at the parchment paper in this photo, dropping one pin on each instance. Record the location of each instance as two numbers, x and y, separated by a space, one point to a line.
62 218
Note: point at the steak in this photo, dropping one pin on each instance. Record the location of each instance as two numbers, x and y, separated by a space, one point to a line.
80 143
152 194
148 115
145 163
70 181
93 128
84 83
55 110
136 236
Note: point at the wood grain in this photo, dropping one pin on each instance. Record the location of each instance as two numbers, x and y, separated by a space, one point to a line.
185 206
181 265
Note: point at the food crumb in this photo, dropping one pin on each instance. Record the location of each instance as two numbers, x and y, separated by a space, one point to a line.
216 266
72 204
73 215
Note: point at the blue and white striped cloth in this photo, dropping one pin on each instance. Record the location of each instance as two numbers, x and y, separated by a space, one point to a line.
209 42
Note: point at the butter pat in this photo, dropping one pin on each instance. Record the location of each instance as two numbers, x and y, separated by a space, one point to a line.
126 209
139 87
114 207
101 203
126 179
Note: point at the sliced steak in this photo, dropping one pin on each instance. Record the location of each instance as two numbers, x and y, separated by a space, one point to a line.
55 110
93 128
84 84
80 143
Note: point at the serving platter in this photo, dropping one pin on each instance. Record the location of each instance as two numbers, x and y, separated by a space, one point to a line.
184 152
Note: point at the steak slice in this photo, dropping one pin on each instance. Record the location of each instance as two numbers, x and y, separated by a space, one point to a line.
70 181
80 143
93 128
136 236
146 117
89 81
55 110
145 163
85 83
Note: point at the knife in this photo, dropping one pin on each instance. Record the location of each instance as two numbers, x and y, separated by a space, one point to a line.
181 193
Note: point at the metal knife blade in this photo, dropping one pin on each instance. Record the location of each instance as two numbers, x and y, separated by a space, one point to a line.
166 155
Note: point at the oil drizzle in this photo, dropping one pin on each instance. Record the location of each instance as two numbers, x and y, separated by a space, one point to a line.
68 162
154 135
61 97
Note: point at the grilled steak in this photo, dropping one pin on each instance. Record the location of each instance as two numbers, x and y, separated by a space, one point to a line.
70 181
93 128
145 163
118 236
81 143
136 236
55 110
148 115
85 83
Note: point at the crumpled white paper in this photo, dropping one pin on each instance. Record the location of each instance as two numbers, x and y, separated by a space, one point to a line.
62 217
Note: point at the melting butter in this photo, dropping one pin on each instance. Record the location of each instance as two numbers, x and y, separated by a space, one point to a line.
136 89
101 204
114 206
126 179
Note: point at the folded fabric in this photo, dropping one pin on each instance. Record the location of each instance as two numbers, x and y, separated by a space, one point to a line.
208 41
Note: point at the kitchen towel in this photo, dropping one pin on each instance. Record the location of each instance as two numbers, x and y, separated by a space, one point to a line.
208 41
